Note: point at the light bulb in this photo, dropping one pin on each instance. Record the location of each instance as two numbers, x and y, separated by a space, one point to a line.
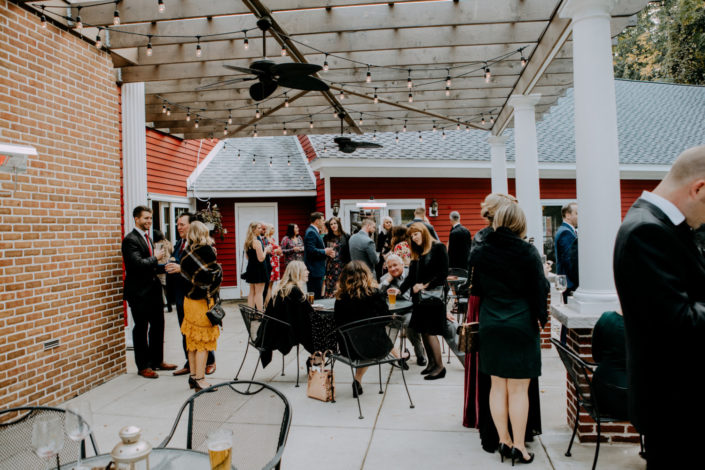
342 95
238 154
447 91
396 139
325 64
253 160
488 75
283 51
483 120
420 137
168 111
368 79
409 84
225 130
43 19
376 99
491 120
374 135
98 41
79 23
257 114
255 133
444 133
246 43
310 125
284 131
160 6
411 98
360 122
404 128
116 17
149 49
270 162
188 115
523 61
288 161
230 118
164 108
467 128
434 128
286 101
195 123
199 51
448 82
457 127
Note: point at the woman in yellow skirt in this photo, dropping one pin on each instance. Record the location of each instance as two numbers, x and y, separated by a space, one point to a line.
201 269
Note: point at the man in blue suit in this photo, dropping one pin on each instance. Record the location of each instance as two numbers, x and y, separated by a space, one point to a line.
565 237
315 253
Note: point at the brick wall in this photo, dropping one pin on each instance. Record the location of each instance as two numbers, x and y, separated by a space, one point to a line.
60 265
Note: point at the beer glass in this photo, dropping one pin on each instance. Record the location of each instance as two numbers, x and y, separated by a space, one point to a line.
220 449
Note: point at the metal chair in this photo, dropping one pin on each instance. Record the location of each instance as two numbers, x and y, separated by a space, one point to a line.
369 342
257 324
580 373
16 438
258 414
454 299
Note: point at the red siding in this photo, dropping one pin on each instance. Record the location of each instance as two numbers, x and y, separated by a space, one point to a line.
290 210
171 160
631 190
320 183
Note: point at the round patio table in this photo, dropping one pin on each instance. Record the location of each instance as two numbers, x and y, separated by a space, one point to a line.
159 459
400 307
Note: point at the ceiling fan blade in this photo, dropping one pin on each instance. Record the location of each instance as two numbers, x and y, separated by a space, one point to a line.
366 145
295 68
262 90
243 69
225 82
303 82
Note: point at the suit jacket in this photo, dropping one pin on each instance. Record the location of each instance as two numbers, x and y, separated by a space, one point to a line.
177 283
142 286
459 242
314 253
660 279
362 248
565 236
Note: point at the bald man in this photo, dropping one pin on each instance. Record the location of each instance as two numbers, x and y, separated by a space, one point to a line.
660 278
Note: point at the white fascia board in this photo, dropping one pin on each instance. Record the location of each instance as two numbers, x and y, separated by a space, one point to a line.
168 198
202 165
14 149
251 194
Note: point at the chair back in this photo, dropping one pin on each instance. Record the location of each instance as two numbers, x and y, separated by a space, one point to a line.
371 339
252 319
16 438
258 414
580 373
460 272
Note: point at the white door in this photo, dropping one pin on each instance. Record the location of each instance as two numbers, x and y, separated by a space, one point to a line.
245 213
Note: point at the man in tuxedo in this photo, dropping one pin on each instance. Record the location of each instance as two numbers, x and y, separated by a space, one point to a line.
179 285
315 253
362 247
660 279
566 235
143 293
419 214
459 241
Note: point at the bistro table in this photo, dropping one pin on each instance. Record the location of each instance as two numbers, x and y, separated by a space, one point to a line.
400 307
159 459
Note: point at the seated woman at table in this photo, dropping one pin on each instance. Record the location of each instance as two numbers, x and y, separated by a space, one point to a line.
358 298
610 353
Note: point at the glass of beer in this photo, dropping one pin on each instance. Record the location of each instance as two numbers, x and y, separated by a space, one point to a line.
311 296
220 449
392 296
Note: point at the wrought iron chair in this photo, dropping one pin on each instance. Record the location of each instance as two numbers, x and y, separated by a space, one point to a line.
370 343
257 324
16 438
258 414
454 300
580 373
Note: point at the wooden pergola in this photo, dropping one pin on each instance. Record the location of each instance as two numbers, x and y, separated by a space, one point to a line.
525 44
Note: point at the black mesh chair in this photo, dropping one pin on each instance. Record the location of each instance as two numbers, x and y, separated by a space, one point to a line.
16 438
259 416
257 324
369 342
580 373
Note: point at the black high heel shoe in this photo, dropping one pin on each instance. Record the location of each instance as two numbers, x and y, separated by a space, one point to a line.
428 368
357 388
519 456
439 375
505 451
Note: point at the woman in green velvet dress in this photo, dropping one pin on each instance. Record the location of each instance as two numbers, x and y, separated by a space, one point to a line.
509 279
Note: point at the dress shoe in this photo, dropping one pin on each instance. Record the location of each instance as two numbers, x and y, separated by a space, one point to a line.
165 366
357 388
182 371
519 457
148 374
192 382
439 375
421 361
428 369
504 451
210 368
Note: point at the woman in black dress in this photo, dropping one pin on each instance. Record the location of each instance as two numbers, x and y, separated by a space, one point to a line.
428 272
256 274
509 278
337 239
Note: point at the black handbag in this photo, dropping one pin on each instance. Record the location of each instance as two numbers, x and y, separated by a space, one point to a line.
216 313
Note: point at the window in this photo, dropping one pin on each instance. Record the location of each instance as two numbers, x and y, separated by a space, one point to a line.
400 210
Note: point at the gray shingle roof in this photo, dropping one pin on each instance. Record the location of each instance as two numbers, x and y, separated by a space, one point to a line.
228 173
656 122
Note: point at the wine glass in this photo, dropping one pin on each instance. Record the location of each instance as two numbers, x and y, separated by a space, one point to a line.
78 426
561 283
47 437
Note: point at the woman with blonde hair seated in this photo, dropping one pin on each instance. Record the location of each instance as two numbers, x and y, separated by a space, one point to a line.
200 267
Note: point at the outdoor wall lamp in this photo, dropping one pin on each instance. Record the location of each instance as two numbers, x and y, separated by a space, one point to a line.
433 210
336 208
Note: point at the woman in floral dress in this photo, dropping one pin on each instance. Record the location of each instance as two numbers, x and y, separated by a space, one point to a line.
337 239
400 244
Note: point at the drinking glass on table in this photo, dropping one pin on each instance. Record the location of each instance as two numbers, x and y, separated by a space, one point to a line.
311 297
220 449
561 283
47 437
79 420
392 295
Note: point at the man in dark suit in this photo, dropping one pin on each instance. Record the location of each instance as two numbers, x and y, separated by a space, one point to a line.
143 293
660 279
315 253
179 286
419 214
459 241
566 235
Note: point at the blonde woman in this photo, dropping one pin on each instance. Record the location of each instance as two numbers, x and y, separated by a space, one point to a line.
256 273
200 268
274 261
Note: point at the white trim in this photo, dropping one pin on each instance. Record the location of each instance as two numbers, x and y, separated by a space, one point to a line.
14 149
202 165
186 201
557 202
326 196
253 194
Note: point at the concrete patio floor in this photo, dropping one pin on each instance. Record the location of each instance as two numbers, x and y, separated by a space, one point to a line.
330 436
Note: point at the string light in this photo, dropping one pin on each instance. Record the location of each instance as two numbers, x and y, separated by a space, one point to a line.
195 123
374 135
199 51
376 100
284 131
283 51
79 23
448 82
467 128
168 111
164 108
116 15
483 119
238 154
420 137
447 91
523 60
491 120
255 132
253 159
149 45
396 138
411 97
246 42
488 75
310 124
98 41
160 6
257 114
225 130
288 160
286 100
188 114
342 95
404 128
368 79
43 19
325 63
270 161
434 126
444 133
360 122
409 83
230 117
457 127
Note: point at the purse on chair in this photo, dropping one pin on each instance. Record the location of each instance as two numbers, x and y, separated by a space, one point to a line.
321 382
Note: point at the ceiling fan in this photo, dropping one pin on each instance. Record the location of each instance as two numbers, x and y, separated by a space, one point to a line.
270 75
347 145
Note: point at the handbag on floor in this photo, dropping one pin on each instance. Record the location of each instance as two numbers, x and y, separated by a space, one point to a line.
321 383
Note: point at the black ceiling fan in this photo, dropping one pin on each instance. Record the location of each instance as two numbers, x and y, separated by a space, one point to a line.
270 75
347 145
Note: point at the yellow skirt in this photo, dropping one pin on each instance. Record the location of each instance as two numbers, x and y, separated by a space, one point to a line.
200 334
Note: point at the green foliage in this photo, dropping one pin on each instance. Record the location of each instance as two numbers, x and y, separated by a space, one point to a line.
666 44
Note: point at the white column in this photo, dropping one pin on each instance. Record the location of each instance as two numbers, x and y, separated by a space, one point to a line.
134 150
498 152
527 164
596 152
326 196
134 162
